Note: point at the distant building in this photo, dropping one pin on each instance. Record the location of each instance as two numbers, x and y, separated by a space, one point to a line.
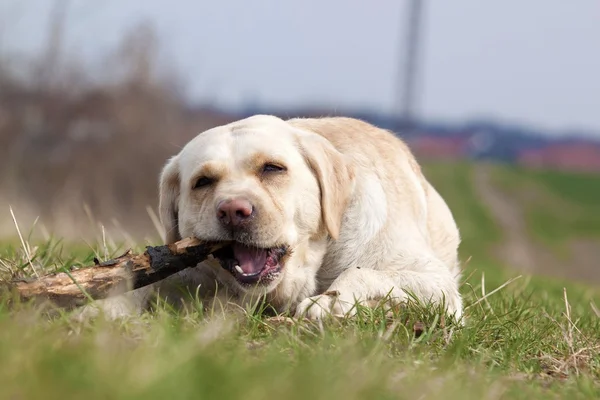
438 147
577 157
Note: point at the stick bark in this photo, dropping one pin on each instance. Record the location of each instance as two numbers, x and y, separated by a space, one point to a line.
126 272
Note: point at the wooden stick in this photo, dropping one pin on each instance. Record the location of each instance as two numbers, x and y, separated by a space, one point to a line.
126 272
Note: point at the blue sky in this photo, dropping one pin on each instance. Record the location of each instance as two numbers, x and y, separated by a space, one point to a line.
534 62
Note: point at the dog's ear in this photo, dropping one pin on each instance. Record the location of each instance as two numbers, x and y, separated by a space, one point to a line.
168 206
335 177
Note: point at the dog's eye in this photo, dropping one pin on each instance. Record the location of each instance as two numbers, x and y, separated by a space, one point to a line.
269 167
203 181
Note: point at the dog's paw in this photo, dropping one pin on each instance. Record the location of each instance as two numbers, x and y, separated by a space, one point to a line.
327 304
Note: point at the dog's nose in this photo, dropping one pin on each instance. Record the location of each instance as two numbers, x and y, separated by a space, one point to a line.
234 212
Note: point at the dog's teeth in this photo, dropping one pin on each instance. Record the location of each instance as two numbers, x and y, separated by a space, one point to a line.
239 269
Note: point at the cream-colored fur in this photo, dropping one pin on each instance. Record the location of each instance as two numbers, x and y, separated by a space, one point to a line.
361 219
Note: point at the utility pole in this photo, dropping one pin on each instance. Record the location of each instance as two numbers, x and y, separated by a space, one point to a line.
408 67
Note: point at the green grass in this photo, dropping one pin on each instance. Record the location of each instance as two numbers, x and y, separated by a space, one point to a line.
478 230
559 206
526 340
581 189
517 342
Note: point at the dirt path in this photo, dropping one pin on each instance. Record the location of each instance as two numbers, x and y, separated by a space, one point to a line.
519 251
516 250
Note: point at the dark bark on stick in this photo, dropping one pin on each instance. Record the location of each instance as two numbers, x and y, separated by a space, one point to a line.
127 272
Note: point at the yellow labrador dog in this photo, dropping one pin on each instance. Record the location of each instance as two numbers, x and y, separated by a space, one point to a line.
324 213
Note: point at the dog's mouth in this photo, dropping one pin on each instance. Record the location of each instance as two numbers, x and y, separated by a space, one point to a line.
252 265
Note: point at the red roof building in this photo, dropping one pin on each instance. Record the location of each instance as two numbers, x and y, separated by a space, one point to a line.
570 157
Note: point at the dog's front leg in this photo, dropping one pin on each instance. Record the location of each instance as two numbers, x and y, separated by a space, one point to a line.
425 277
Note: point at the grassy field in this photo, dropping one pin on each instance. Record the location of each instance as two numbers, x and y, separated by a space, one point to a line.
524 336
559 206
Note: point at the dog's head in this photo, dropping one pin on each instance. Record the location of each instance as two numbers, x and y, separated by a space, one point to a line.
267 186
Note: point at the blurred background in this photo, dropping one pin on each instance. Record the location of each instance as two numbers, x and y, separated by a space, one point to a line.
500 101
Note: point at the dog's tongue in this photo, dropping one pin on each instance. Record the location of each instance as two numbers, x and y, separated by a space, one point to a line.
250 260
